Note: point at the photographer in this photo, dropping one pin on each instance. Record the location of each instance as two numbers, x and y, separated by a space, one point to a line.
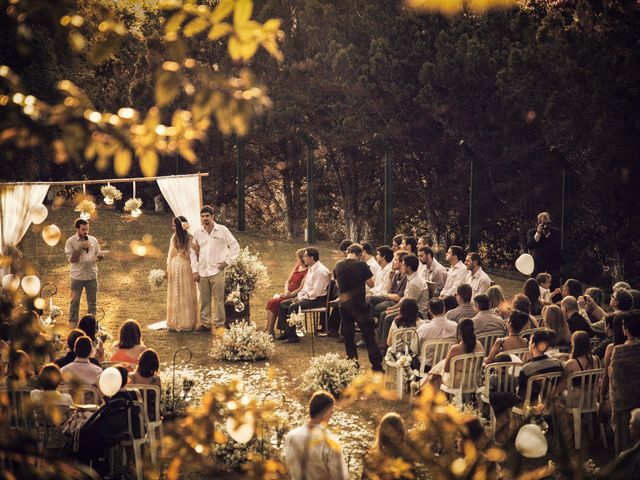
544 244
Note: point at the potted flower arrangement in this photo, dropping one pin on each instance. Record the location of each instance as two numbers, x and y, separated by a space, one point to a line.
244 277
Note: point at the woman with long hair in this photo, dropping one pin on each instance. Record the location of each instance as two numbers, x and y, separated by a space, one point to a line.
408 318
553 319
497 302
129 345
580 358
390 443
531 290
182 303
89 325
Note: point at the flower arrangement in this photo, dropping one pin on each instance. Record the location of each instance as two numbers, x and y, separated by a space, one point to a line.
132 205
55 311
243 342
247 274
403 361
157 278
86 208
110 194
175 403
234 455
234 296
329 372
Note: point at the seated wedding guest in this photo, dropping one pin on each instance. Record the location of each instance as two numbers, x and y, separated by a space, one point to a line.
624 380
467 343
129 345
580 358
368 256
497 302
396 242
384 257
597 295
439 327
464 308
531 290
522 303
291 288
48 381
389 445
479 281
484 321
408 318
539 363
627 464
569 306
81 369
20 372
572 287
311 452
70 356
450 303
409 244
313 294
553 319
601 347
513 341
619 337
432 271
146 372
396 285
89 325
621 301
544 284
457 274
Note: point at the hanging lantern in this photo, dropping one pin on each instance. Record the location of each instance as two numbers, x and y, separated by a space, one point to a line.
51 235
38 214
31 285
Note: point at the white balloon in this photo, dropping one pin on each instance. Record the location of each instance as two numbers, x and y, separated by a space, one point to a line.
242 432
10 282
38 214
531 442
31 285
525 264
51 235
110 381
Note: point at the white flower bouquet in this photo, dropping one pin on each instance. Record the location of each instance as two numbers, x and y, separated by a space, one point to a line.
157 278
329 372
247 274
132 204
243 342
55 311
234 455
110 194
86 208
403 361
295 320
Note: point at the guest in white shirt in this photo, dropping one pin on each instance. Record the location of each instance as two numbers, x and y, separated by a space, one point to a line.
311 452
457 274
368 257
439 327
214 248
544 281
47 395
384 258
432 271
81 369
313 294
479 281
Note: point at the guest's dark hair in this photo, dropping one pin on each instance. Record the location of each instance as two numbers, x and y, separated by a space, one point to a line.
411 241
543 278
631 321
367 247
618 334
426 251
412 262
313 253
541 336
457 251
465 291
467 334
427 240
450 303
83 347
320 402
397 240
574 287
344 244
624 300
521 302
89 325
581 347
553 319
400 254
73 335
207 209
129 335
49 377
355 248
436 306
79 222
482 301
385 252
531 290
475 257
124 375
408 313
148 363
518 319
596 294
181 237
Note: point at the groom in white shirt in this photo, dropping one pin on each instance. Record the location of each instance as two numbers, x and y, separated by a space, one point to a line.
214 248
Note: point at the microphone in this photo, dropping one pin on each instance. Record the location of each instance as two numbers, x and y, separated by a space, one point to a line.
86 239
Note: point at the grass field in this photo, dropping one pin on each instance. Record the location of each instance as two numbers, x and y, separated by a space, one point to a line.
124 293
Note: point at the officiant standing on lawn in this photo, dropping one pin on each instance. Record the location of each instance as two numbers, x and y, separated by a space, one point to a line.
213 249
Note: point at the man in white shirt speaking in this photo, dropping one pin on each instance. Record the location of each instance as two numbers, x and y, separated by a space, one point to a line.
214 248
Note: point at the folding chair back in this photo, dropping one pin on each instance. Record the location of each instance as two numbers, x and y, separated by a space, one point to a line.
401 340
151 395
20 409
488 339
521 353
465 374
436 350
582 390
82 394
541 389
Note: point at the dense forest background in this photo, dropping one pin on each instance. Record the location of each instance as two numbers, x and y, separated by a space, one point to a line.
529 90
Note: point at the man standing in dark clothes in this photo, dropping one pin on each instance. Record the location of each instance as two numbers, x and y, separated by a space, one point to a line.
351 275
544 244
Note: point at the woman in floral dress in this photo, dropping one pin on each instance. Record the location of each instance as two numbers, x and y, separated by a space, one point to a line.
182 303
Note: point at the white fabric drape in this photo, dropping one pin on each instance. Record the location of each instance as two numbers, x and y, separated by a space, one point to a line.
183 196
15 202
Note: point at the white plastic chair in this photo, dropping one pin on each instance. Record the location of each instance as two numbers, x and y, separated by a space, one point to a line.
20 409
582 398
49 433
151 403
530 331
82 394
521 353
400 345
136 416
498 377
546 389
488 339
463 381
438 347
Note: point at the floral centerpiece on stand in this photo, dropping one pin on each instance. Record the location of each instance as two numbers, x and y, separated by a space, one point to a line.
174 403
243 342
247 275
329 372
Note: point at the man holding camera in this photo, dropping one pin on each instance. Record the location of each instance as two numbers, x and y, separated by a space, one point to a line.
544 244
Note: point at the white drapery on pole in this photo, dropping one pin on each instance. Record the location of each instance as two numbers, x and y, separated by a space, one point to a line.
183 196
15 203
